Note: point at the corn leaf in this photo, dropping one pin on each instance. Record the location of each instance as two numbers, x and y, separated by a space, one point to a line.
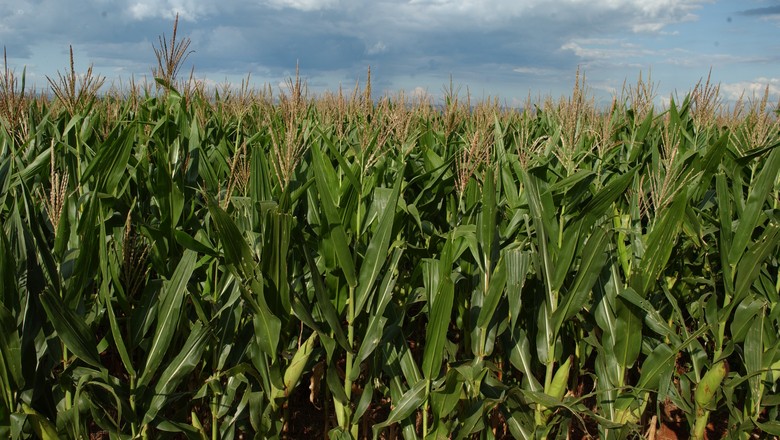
340 241
168 315
71 328
759 192
436 332
376 253
179 367
407 404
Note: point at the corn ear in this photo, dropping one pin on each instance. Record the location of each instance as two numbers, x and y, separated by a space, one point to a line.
559 381
705 394
295 370
557 388
705 391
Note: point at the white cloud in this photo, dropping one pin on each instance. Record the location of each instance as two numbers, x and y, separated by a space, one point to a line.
684 58
421 93
604 49
188 10
304 5
751 89
648 27
638 15
535 71
377 48
603 86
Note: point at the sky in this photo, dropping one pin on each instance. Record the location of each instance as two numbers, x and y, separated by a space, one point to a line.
505 49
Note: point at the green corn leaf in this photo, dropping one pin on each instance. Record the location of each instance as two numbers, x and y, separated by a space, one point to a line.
520 357
641 132
189 242
655 366
580 179
110 163
509 187
517 263
544 228
340 240
275 258
117 336
339 433
237 252
376 323
70 328
343 165
259 183
628 334
268 327
653 319
759 253
324 302
10 351
544 334
770 427
520 425
366 397
45 260
592 263
472 421
335 385
42 427
376 253
601 202
565 255
436 332
168 314
109 274
487 219
711 160
179 367
407 404
370 342
754 353
445 397
726 233
303 311
546 400
8 280
751 215
660 242
34 167
411 372
494 294
744 315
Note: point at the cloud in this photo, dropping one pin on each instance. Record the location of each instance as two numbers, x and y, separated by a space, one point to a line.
594 50
377 48
304 5
188 10
752 89
771 10
534 71
421 94
501 46
648 27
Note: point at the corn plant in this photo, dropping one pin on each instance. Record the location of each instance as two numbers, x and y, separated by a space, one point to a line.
212 266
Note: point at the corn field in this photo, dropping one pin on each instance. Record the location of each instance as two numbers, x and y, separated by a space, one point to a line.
176 263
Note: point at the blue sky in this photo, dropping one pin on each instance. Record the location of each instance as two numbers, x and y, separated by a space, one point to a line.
501 48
